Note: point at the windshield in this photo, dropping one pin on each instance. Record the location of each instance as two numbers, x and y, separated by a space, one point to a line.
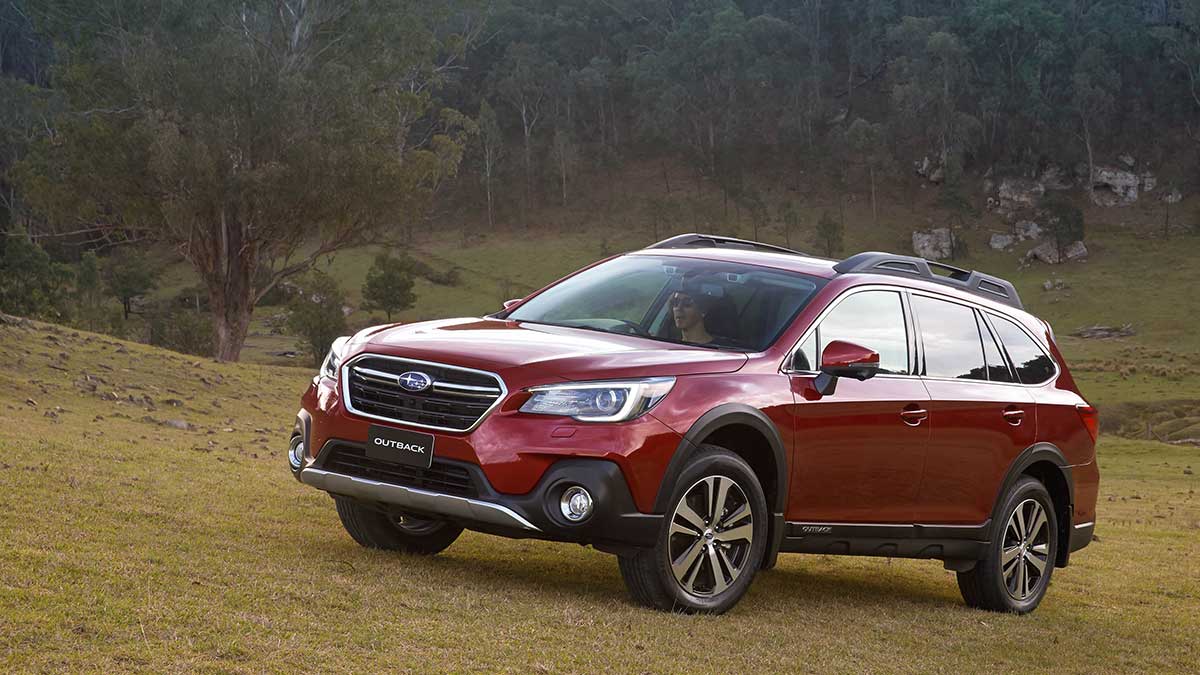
682 300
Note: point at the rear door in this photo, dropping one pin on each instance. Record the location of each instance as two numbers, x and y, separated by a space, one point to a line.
859 451
981 416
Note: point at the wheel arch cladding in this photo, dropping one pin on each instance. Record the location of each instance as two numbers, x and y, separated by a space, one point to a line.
1046 463
747 432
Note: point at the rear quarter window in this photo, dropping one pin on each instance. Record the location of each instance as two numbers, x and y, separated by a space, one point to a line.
1033 365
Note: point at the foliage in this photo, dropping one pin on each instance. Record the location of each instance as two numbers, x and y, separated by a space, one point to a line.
316 315
30 283
246 136
130 274
829 234
1066 223
179 329
389 286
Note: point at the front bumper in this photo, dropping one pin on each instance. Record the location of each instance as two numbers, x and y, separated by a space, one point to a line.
615 525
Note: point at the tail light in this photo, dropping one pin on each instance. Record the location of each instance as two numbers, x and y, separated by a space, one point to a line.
1091 419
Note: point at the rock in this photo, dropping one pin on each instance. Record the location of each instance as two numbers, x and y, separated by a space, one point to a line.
347 310
1104 332
121 349
1047 285
1054 177
1172 196
182 425
1114 187
935 244
937 176
1020 193
1001 241
923 166
1048 253
31 403
1027 229
1127 159
1055 285
1075 251
1149 182
173 402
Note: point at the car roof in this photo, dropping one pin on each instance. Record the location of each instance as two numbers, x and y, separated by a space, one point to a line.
791 262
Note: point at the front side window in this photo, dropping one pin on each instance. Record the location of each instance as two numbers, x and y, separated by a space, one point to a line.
950 338
691 301
1032 364
871 319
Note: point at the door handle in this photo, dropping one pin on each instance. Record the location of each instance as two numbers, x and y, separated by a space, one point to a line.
913 414
1014 416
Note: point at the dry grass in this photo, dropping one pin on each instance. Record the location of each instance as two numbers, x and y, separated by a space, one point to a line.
130 545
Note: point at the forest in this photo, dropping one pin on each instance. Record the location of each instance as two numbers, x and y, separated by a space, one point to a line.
255 138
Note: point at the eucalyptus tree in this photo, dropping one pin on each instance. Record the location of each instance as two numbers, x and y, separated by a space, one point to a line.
253 136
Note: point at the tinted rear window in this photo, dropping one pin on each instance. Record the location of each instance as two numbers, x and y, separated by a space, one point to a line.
950 336
1032 364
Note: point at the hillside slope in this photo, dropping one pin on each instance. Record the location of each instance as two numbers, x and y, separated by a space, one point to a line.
130 544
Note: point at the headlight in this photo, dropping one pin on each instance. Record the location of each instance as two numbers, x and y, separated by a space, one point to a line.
334 358
612 401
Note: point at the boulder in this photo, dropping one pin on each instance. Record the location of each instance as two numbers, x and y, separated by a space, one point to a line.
1127 159
1002 241
1149 182
1020 193
1054 177
1172 196
935 244
1026 230
1048 253
937 176
1114 187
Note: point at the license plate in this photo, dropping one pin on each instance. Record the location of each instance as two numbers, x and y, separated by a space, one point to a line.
399 446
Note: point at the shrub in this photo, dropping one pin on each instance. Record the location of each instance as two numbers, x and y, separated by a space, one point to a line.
316 314
130 275
30 283
179 329
389 285
829 234
1066 223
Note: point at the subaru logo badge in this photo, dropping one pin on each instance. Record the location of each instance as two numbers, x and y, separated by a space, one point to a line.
415 381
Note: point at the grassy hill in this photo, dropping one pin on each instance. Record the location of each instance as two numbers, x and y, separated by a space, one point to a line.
151 524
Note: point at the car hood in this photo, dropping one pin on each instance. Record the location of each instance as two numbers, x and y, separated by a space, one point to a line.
525 353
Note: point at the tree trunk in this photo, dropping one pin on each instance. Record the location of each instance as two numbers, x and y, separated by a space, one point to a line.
874 210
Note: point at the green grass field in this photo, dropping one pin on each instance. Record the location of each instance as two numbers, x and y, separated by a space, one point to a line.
133 545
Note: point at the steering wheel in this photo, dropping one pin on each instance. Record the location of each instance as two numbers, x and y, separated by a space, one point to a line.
634 327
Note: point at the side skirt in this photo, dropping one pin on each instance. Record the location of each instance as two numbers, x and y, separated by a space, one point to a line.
942 542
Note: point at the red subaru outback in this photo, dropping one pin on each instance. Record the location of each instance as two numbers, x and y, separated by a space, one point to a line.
702 405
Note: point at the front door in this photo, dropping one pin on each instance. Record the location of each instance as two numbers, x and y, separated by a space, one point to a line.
860 450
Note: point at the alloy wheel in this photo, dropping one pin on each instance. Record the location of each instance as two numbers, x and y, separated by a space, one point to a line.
1026 549
712 529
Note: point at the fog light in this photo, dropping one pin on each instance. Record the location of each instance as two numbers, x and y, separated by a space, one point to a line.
576 504
296 452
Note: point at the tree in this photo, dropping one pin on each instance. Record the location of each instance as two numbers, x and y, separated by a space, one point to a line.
566 156
865 141
130 274
789 216
89 285
491 150
30 283
1093 98
249 135
829 234
316 315
524 79
1066 224
389 286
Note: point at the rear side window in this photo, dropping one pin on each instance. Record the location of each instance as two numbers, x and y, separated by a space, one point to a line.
997 369
1032 364
871 319
950 336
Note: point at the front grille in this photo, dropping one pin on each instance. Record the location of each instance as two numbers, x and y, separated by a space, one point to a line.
444 477
455 401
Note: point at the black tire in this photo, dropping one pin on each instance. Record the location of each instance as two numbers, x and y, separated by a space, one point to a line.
996 586
649 574
375 529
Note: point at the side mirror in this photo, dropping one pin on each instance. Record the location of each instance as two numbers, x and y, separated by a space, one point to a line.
845 359
508 304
